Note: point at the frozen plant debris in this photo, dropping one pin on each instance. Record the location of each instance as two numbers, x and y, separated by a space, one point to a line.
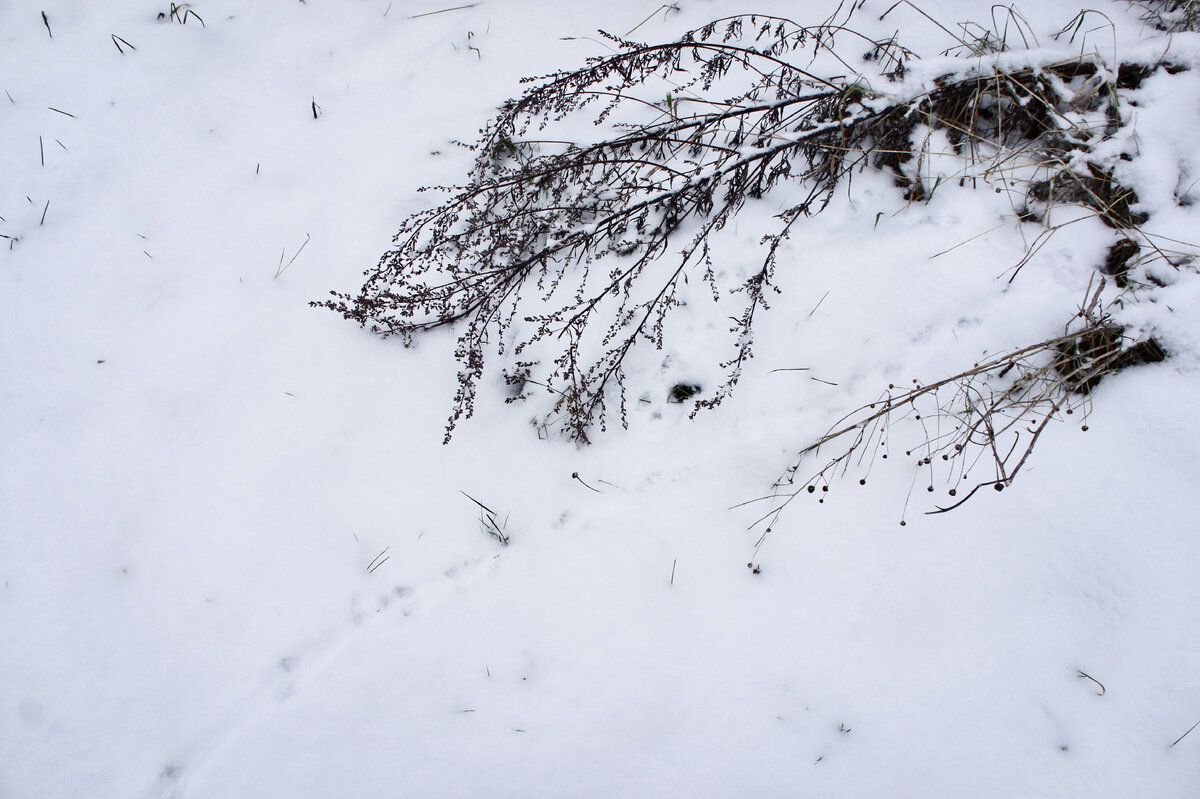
576 250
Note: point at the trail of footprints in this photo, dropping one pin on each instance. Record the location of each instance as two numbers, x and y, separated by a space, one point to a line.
304 664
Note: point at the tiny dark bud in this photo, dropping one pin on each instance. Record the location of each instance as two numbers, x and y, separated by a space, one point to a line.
812 489
862 482
953 493
930 489
902 522
999 486
1084 428
824 488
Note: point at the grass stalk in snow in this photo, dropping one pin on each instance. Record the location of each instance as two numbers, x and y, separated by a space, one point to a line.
180 13
489 522
1181 737
282 266
441 11
118 41
378 560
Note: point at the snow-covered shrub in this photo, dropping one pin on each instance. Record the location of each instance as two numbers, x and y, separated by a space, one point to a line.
597 192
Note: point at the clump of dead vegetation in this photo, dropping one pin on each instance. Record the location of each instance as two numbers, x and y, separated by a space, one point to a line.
978 427
577 248
1170 15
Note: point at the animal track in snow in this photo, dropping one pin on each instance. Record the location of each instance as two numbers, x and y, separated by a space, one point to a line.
302 665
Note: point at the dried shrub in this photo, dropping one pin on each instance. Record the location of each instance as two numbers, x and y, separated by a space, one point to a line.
1170 15
985 419
577 247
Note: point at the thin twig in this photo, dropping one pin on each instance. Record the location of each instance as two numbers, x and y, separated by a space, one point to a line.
283 267
442 11
667 6
1103 690
1181 737
818 305
379 560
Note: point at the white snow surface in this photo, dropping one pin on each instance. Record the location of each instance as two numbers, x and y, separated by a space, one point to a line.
237 560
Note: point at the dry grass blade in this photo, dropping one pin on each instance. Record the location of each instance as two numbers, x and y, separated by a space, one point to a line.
489 522
443 11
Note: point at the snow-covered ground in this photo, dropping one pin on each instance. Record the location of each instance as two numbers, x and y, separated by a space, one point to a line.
237 560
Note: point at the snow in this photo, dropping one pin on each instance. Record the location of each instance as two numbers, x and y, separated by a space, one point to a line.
199 473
